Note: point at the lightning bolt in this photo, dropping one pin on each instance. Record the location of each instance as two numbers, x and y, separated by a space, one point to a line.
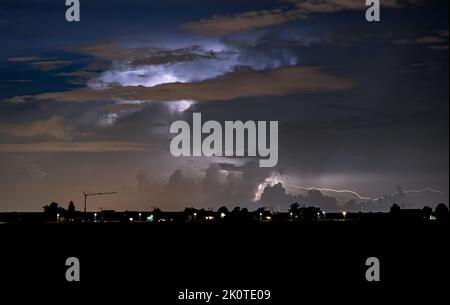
330 190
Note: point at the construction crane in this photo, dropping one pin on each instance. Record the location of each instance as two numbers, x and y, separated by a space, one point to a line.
86 195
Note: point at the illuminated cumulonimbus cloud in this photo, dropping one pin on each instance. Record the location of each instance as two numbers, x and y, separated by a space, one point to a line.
289 183
274 179
223 60
208 61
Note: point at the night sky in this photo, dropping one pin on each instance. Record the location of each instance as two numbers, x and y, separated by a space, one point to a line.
86 106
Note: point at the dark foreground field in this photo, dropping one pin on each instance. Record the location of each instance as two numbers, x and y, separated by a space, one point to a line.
151 263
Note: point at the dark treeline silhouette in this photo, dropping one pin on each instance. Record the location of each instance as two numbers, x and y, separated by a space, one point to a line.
54 213
305 213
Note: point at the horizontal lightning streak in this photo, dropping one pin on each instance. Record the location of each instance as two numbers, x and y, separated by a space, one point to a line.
330 190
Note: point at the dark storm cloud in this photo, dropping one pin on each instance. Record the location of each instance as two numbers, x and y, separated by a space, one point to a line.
277 82
212 186
276 196
298 10
138 56
149 65
337 201
216 187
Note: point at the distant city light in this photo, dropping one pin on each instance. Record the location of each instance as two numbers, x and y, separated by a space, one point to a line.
344 213
222 215
150 218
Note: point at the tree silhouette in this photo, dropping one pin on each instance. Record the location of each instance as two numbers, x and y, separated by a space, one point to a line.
156 214
395 209
236 214
245 215
222 211
441 212
188 213
260 210
71 211
51 211
427 212
294 208
71 207
309 213
236 210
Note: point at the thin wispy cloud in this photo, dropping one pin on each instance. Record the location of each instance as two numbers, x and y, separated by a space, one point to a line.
297 10
76 147
53 127
438 40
